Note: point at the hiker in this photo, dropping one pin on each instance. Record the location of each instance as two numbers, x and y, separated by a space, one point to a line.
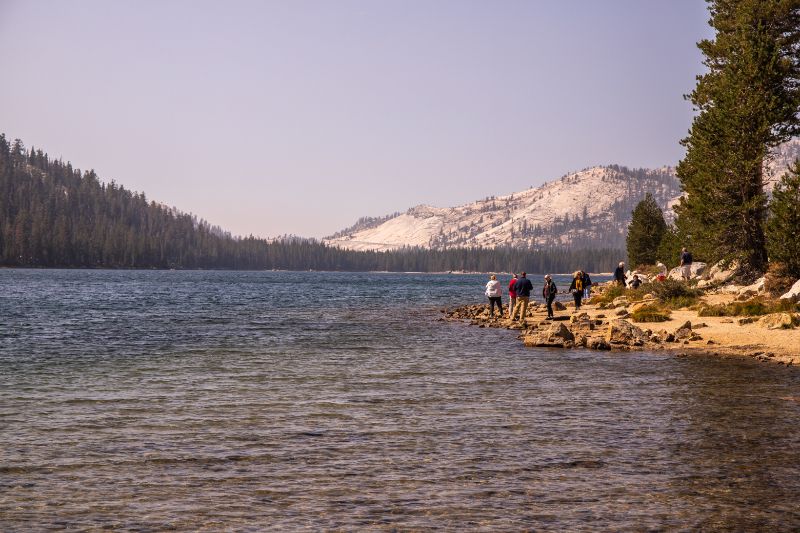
549 292
576 288
494 292
523 288
587 285
619 274
512 295
635 282
686 264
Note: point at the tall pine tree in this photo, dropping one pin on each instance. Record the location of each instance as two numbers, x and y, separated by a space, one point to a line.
783 226
748 102
645 232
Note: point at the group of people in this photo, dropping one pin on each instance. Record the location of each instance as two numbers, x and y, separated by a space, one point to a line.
685 266
519 293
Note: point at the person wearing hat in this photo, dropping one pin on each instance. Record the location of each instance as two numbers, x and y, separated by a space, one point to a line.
494 292
549 292
619 274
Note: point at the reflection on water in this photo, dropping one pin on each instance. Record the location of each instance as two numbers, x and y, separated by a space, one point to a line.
219 400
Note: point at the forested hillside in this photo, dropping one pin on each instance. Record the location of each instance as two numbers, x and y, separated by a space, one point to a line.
54 215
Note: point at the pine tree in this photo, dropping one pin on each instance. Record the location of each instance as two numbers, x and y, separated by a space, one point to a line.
645 232
783 225
748 102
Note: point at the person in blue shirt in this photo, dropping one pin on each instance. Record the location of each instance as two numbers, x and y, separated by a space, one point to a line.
523 288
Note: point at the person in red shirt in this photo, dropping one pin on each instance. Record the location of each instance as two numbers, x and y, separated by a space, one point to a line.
512 294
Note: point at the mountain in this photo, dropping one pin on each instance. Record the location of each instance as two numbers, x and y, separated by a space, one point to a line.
589 208
54 215
586 209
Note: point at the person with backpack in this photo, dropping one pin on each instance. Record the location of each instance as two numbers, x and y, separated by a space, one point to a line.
523 288
512 295
549 292
587 285
494 292
576 288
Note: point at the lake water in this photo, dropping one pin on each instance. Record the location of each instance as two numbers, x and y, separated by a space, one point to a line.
149 401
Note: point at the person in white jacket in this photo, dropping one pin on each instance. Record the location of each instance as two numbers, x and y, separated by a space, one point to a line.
494 292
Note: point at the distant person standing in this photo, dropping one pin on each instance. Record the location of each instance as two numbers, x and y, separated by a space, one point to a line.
523 288
549 292
635 282
494 292
587 285
619 274
686 264
512 294
576 288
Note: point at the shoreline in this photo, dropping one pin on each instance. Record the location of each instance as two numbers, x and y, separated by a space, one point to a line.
611 328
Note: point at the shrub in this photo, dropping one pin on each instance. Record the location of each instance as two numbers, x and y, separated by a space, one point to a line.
650 313
753 307
778 279
670 289
607 295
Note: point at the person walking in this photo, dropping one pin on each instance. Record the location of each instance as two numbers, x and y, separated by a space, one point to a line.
494 292
587 285
686 264
523 288
619 274
512 294
576 288
549 292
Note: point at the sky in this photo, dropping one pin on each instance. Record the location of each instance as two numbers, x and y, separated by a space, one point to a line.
299 117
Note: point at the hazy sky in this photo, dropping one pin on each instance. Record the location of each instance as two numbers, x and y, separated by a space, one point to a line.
301 116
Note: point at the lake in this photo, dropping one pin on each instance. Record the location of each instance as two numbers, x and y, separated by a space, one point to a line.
186 400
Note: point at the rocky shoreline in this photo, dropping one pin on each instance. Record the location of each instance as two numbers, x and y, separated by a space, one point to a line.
610 327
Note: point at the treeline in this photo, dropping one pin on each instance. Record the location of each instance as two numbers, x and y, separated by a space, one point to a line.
53 215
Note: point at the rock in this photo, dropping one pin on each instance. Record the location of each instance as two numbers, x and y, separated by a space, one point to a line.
597 343
754 289
638 305
793 293
581 323
684 332
669 337
703 283
656 339
779 321
746 320
622 332
620 300
622 312
558 306
578 317
556 336
697 270
720 274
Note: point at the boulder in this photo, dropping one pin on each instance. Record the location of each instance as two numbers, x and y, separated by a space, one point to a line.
793 293
622 312
555 336
779 321
597 343
620 300
558 306
622 332
720 274
697 270
754 289
745 320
